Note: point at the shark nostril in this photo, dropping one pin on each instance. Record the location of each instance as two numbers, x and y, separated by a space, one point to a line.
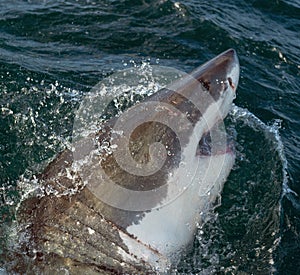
231 83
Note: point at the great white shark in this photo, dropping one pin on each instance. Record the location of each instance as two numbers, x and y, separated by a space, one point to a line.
113 221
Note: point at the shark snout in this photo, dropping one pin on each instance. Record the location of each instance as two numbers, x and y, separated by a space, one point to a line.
219 73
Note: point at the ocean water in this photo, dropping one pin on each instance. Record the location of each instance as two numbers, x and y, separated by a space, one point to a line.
53 52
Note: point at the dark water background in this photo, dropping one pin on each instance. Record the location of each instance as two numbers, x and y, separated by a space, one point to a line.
52 52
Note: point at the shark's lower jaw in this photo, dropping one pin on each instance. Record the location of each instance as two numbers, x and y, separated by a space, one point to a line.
205 149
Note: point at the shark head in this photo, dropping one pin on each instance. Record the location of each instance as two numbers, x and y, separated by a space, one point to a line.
170 163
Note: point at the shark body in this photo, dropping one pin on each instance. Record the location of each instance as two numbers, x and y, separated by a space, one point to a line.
102 230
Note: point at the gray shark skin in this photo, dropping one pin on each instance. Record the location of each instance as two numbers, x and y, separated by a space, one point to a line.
82 234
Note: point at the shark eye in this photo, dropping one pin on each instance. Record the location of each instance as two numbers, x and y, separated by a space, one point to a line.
205 84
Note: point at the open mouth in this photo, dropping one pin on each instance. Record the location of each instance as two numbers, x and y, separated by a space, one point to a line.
204 145
209 146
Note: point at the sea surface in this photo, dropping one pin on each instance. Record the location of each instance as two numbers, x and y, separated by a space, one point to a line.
53 52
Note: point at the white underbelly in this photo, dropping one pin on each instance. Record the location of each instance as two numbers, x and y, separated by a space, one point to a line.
169 228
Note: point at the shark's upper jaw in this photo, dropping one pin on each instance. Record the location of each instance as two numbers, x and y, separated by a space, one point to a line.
219 78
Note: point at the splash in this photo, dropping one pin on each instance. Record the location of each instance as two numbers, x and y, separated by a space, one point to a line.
34 128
